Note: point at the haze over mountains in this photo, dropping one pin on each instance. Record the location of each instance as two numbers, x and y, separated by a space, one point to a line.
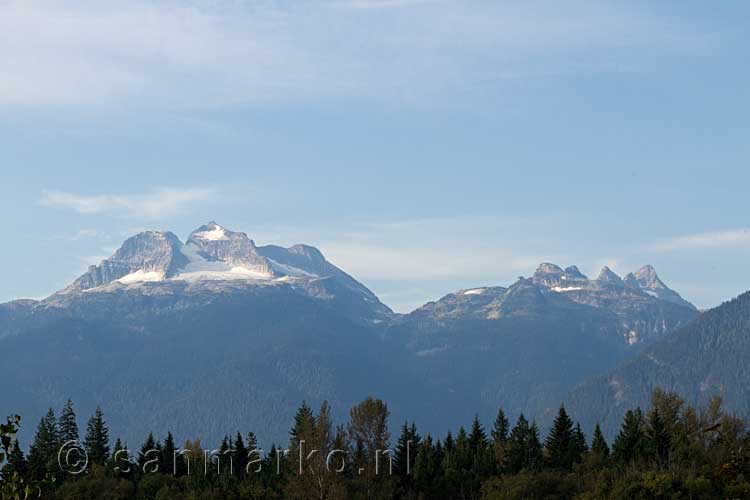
217 333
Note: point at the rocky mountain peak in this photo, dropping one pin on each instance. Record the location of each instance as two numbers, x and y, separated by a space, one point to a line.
153 254
217 258
548 268
211 231
575 272
646 280
216 243
608 276
553 276
214 235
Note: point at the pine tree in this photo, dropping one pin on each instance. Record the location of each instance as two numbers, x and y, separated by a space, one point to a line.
224 447
253 453
578 445
427 470
97 439
500 429
599 446
252 441
524 448
629 443
477 437
168 455
304 422
534 453
117 460
483 459
16 460
240 456
659 440
559 443
439 452
146 455
44 448
67 424
449 443
457 466
462 451
225 461
406 451
272 466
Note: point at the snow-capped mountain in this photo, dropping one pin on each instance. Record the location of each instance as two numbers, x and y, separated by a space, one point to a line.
215 257
641 313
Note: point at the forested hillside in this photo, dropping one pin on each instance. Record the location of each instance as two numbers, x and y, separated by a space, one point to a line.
670 450
708 357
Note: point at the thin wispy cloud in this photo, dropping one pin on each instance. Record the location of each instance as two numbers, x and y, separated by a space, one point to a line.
153 204
202 54
377 4
414 260
408 262
716 239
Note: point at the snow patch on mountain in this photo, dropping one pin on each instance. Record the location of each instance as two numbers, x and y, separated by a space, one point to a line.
566 289
216 234
291 270
140 276
200 268
223 272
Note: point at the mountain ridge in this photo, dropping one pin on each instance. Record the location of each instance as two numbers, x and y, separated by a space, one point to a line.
264 327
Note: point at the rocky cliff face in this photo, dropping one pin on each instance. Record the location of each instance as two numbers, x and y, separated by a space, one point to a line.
215 243
154 254
646 280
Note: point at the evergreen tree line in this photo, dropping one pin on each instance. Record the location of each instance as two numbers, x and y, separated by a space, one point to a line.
672 450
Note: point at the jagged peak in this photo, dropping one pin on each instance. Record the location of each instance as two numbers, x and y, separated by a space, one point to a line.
213 232
142 243
606 274
549 268
521 283
646 278
575 272
147 255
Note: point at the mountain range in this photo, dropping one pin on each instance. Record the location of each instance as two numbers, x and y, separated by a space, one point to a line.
216 334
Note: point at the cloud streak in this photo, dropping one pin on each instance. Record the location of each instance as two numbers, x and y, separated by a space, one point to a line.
153 204
717 239
200 54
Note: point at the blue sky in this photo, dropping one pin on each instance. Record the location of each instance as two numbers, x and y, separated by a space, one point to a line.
423 146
